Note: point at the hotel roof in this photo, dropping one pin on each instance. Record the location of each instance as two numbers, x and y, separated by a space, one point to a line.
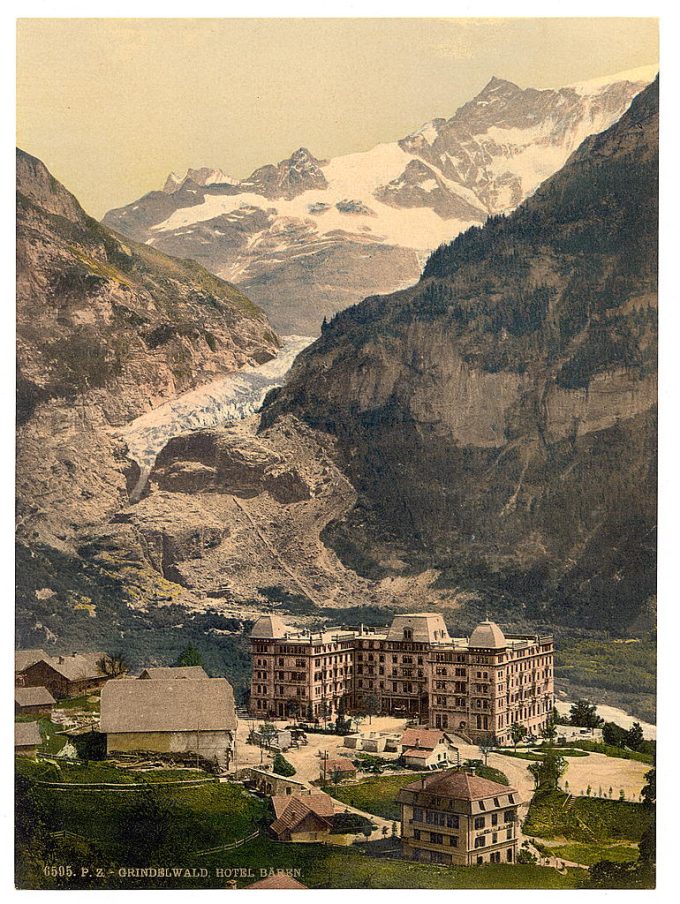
459 786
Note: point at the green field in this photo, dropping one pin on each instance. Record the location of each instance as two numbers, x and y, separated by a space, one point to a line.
617 752
585 819
77 772
375 795
588 854
324 867
87 703
132 826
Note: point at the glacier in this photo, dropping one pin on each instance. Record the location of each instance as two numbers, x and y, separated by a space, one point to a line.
231 398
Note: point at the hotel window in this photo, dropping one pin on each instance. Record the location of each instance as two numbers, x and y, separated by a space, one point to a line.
416 834
418 814
480 841
453 840
480 822
436 838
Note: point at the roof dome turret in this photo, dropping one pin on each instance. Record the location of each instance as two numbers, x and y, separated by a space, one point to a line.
488 635
268 627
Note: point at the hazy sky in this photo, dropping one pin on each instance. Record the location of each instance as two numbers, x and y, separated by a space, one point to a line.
113 105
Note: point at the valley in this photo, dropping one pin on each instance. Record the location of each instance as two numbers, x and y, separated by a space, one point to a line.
176 505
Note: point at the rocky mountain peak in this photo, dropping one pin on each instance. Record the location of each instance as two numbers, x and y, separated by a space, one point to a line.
204 175
499 86
37 184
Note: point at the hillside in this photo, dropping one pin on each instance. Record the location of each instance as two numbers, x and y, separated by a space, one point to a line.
106 331
306 237
498 419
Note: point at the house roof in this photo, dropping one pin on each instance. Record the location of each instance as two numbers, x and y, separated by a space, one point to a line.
278 881
421 737
24 658
342 764
76 666
167 705
296 812
318 801
459 785
488 635
291 809
181 671
33 696
27 734
418 753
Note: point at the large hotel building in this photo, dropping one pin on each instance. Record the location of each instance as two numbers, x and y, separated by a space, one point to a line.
477 686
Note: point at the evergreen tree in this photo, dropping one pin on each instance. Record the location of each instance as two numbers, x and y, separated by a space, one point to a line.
189 657
635 736
584 714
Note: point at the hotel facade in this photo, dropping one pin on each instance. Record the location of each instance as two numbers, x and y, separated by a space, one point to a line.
453 818
477 686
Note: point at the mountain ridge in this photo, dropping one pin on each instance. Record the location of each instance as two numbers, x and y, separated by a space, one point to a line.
106 329
498 418
306 237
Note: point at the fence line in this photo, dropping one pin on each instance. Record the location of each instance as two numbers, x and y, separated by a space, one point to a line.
228 847
65 833
123 786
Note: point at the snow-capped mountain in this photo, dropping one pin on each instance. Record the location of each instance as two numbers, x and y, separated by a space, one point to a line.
307 237
202 176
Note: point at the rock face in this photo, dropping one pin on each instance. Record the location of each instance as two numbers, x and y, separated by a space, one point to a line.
307 237
106 330
498 419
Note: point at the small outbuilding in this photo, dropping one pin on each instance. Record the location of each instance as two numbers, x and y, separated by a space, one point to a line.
27 738
303 817
33 701
168 716
341 769
67 676
424 748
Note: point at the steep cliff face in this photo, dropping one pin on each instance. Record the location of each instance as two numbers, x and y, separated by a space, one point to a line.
498 418
308 237
106 330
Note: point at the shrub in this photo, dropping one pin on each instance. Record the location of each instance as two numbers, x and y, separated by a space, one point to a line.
282 766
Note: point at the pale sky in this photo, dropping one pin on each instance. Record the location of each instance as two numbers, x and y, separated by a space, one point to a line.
113 105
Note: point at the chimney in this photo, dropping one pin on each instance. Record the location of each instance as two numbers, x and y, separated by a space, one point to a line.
60 659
